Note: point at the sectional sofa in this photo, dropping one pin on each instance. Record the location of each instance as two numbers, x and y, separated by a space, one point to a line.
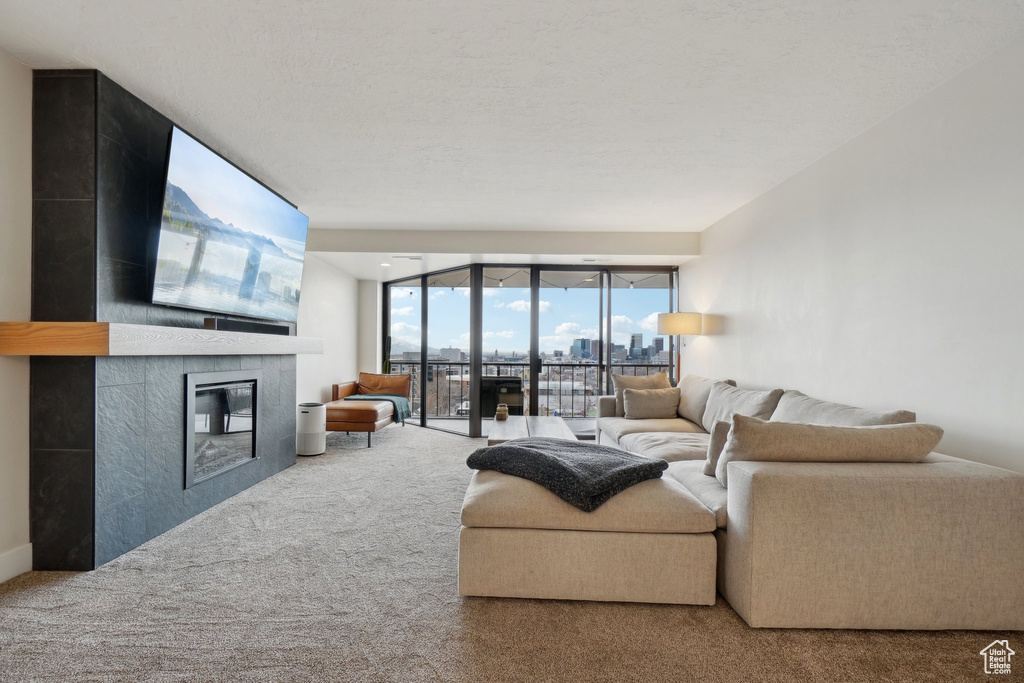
931 544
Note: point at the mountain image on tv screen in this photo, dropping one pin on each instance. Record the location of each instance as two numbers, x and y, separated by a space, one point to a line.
227 244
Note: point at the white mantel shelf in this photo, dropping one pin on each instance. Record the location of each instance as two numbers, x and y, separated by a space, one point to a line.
121 339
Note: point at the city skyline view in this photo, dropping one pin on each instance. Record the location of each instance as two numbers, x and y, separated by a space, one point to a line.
566 314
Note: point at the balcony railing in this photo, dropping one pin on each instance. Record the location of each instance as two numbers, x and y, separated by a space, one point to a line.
569 390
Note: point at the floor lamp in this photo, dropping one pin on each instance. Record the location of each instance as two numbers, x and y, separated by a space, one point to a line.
680 324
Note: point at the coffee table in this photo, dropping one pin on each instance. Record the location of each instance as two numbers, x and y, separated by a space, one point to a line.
519 427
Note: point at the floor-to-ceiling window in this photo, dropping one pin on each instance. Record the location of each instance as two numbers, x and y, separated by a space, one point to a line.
637 297
446 398
404 329
505 339
571 344
548 338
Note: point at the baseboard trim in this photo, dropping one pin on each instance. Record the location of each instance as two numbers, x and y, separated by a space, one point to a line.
15 562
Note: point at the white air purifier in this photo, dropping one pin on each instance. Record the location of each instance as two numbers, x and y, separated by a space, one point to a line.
311 429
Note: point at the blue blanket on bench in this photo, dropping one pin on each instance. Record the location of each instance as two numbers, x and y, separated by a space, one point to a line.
403 408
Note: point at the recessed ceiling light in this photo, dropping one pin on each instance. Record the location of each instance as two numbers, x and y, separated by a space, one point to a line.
386 265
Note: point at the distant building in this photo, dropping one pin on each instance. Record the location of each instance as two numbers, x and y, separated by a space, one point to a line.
580 348
636 341
595 348
619 355
558 353
410 356
453 354
659 344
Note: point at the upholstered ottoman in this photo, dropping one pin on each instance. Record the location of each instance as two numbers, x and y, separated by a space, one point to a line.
653 542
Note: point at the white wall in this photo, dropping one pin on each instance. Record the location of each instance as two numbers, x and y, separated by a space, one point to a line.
890 274
15 304
328 309
370 323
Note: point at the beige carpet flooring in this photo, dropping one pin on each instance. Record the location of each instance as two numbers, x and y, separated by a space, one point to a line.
344 568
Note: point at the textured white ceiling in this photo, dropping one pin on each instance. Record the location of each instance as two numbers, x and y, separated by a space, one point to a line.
535 114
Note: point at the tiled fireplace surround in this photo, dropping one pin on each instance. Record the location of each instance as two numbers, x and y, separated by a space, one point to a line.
107 433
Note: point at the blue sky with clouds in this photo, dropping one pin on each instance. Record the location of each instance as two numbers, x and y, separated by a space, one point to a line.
224 192
564 316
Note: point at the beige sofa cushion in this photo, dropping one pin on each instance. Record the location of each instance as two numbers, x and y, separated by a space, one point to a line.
669 446
716 444
623 382
874 545
617 427
659 505
797 407
693 396
725 400
708 490
643 404
754 439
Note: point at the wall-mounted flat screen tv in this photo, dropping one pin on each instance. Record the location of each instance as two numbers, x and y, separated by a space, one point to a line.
227 243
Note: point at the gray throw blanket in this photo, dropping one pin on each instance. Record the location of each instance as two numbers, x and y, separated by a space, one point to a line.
403 409
583 474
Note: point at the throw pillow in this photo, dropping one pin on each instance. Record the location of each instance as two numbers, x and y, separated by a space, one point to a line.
719 435
753 439
646 404
693 396
797 407
724 401
623 382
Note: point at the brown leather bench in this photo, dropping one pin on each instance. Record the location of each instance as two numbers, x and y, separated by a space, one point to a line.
365 416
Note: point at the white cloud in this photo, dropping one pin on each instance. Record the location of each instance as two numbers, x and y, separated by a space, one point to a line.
650 323
404 310
567 328
621 323
438 293
565 334
504 334
402 293
523 306
622 328
499 304
403 328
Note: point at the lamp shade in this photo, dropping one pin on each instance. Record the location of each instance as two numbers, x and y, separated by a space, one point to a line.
680 323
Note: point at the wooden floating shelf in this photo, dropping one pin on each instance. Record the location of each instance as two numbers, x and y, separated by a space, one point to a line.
121 339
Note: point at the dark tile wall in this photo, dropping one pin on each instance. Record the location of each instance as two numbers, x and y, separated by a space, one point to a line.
140 442
108 459
63 289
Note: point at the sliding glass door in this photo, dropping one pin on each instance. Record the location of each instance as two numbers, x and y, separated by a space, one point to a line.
505 339
571 345
405 318
543 340
448 373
